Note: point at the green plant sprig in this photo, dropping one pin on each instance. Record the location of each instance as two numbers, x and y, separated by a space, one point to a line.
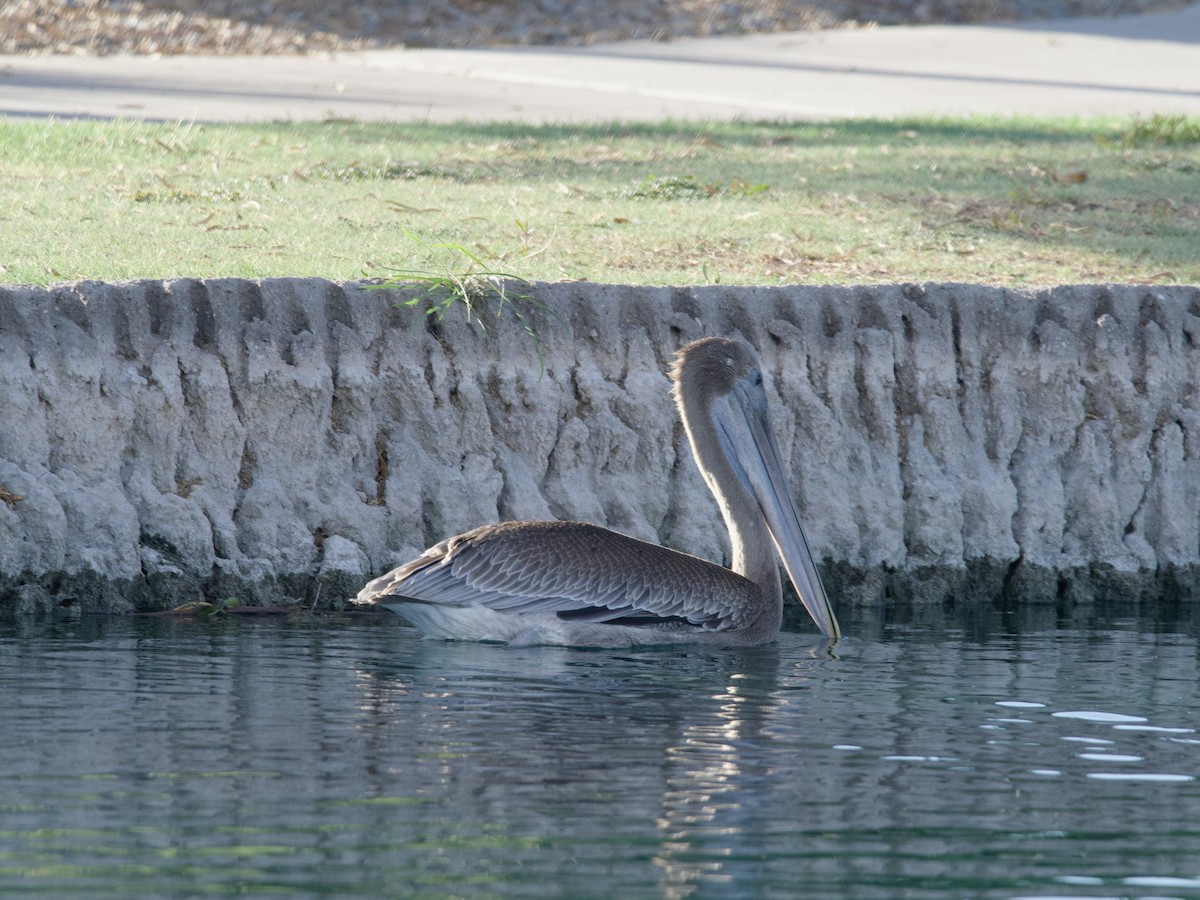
472 286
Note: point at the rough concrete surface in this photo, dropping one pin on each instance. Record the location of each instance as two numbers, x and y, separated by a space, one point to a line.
284 439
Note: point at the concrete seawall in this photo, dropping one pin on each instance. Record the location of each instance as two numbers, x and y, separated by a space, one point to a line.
284 439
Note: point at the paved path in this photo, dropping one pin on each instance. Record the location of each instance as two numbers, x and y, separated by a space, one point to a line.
1125 65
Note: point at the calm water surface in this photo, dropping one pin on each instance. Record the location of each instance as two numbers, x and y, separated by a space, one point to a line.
349 757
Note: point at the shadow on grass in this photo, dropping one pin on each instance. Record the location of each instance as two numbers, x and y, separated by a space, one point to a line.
1126 188
850 133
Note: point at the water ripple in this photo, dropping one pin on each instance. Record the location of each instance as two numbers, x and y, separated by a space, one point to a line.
354 759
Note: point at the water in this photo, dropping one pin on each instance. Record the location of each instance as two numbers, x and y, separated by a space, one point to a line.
344 757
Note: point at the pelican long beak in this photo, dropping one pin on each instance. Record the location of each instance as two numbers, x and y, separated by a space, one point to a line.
770 488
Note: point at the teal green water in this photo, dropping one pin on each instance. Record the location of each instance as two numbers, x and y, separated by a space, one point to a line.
348 757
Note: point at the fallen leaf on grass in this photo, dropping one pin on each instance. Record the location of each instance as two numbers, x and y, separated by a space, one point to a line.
396 206
1075 176
843 255
236 228
1156 278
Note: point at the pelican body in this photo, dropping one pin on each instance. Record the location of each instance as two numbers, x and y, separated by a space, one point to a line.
574 584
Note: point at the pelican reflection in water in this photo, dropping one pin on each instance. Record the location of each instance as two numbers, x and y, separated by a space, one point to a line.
574 584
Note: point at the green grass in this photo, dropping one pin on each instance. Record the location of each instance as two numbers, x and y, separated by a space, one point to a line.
978 200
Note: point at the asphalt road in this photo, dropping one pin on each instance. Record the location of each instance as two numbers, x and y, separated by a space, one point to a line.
1121 66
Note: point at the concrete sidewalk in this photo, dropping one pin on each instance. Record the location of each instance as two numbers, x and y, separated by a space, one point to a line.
1120 66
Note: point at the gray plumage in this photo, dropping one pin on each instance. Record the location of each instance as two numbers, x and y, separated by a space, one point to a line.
582 585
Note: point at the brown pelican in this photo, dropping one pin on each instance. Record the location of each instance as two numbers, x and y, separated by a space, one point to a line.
573 584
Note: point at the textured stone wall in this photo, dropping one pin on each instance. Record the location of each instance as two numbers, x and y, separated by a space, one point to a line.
161 441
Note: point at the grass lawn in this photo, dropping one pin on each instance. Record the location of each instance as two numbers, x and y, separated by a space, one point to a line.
1002 201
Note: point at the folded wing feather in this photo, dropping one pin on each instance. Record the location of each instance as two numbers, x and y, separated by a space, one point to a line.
578 571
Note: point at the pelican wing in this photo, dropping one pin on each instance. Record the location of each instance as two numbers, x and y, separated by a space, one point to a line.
577 571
